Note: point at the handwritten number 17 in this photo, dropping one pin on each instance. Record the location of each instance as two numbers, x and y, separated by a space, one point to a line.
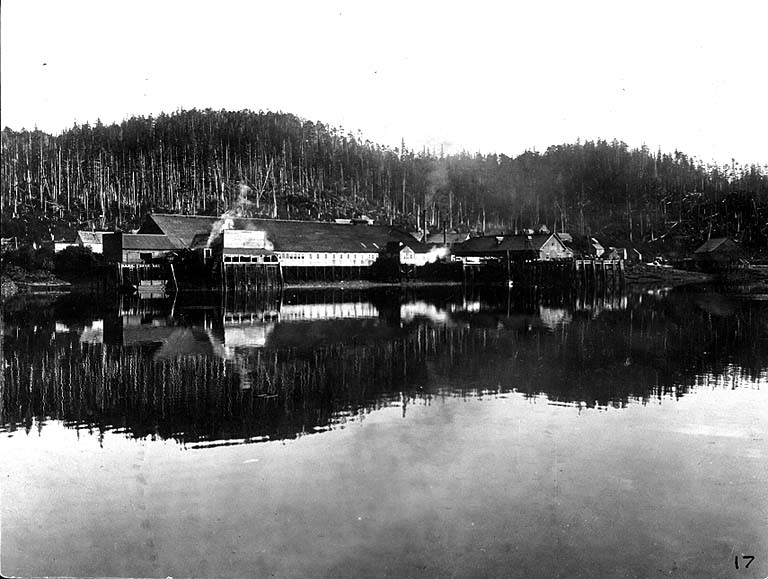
749 562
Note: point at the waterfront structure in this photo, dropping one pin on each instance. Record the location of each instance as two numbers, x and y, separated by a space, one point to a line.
416 254
136 248
143 261
583 246
523 247
447 238
93 240
348 245
717 252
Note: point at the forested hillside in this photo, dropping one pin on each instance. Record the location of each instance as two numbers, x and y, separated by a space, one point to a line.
279 165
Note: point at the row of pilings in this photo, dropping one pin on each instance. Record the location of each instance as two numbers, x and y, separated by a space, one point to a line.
554 273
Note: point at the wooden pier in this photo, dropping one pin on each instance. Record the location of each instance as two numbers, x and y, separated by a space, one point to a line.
251 276
599 272
554 273
144 275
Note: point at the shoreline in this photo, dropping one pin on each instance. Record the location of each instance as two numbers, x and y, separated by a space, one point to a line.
653 275
635 276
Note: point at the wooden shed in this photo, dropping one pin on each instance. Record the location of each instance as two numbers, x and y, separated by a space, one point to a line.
718 252
131 248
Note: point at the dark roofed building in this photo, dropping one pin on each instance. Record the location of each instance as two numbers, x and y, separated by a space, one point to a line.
137 248
296 243
718 251
447 238
583 246
534 246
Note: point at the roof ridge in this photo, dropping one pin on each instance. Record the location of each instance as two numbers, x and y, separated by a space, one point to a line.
264 219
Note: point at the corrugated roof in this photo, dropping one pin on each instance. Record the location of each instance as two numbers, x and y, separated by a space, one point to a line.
92 236
416 246
513 243
711 245
449 237
140 241
246 251
285 235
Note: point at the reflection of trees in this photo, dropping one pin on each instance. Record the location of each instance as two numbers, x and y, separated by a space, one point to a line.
197 397
295 385
660 347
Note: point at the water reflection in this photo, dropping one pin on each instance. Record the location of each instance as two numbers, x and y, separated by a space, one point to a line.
207 369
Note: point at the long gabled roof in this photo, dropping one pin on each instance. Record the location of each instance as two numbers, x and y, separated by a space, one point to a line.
448 237
149 242
285 235
501 244
713 245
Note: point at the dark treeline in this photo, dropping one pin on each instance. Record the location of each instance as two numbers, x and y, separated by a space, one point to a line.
206 162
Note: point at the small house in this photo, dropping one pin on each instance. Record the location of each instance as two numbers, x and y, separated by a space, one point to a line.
94 240
718 252
616 253
134 248
246 246
582 246
418 254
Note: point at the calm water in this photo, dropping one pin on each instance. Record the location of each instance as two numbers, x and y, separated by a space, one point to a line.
384 433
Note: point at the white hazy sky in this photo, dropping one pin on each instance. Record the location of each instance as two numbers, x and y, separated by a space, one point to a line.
483 76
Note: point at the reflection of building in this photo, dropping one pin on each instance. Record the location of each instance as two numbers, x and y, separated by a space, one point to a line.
327 311
93 333
424 310
554 317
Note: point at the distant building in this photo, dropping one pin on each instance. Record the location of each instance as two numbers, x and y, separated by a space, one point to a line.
417 254
536 246
447 238
616 253
582 246
719 251
296 244
94 240
61 245
134 248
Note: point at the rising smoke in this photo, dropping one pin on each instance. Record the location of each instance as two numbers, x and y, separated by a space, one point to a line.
241 208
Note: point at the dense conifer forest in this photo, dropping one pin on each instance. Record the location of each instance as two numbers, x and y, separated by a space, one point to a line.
279 165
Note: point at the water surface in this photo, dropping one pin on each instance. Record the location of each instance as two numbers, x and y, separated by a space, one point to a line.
404 434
